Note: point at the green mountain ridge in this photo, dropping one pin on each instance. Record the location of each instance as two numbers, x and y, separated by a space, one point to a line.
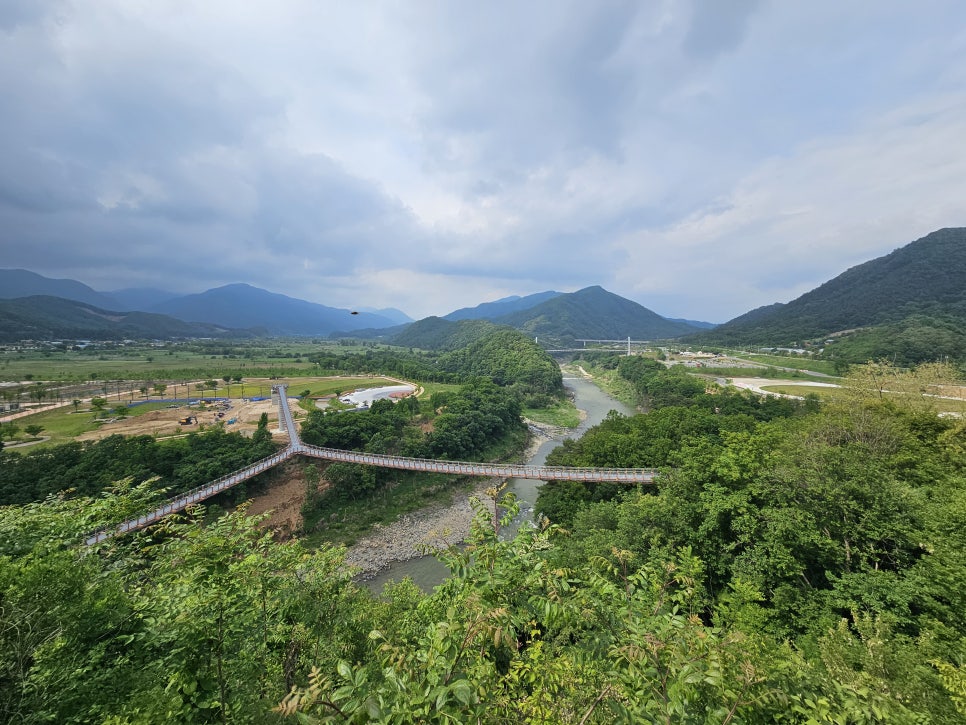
436 333
910 303
593 313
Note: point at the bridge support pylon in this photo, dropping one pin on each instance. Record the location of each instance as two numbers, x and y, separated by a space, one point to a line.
277 402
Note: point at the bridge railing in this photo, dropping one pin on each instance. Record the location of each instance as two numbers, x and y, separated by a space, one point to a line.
503 470
195 495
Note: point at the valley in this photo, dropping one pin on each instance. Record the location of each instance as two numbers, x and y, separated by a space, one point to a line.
802 523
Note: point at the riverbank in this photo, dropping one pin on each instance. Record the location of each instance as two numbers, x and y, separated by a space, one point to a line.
436 527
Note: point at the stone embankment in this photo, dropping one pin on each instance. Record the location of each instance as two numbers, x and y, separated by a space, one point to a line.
437 527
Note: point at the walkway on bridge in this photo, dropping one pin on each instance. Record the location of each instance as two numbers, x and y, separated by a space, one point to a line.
297 448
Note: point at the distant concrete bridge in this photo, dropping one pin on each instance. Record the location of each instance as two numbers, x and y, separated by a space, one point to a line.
297 448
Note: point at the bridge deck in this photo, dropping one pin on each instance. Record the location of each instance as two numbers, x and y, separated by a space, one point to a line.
429 465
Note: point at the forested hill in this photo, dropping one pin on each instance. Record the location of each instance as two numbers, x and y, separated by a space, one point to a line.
592 312
925 279
53 318
480 348
435 333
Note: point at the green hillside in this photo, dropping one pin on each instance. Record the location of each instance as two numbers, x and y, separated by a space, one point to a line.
910 303
435 333
593 313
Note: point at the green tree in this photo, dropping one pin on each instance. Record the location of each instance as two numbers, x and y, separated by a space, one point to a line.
217 625
510 637
8 431
98 404
38 392
34 430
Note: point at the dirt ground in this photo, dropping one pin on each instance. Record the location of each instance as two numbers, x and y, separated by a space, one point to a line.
284 499
163 423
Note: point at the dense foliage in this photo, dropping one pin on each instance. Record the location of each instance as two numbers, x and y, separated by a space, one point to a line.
463 425
90 467
191 624
792 565
834 529
921 337
684 411
436 333
509 359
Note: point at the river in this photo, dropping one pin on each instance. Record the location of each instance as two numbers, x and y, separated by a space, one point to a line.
426 571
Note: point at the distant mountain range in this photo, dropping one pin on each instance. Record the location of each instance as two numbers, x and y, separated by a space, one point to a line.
232 307
558 318
40 317
241 305
21 283
909 306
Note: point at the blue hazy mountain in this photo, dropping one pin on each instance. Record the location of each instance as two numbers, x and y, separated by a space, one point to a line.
398 317
139 298
22 283
501 307
42 317
241 305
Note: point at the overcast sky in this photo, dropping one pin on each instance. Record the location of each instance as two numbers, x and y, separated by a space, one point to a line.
702 158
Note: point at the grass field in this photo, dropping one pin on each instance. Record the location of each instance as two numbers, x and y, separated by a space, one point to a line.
564 414
769 372
171 362
430 388
791 361
63 424
941 405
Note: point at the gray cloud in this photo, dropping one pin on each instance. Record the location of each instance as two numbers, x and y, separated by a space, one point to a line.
430 157
717 27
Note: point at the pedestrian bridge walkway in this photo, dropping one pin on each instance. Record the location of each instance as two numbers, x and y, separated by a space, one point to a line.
297 448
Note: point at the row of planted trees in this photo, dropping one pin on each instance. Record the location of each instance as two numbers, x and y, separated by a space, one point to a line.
40 392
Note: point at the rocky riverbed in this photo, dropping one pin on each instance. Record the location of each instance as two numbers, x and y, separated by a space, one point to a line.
436 527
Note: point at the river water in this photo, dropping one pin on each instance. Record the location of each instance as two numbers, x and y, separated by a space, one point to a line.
426 571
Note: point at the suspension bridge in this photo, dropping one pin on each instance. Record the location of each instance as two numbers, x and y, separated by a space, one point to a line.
296 447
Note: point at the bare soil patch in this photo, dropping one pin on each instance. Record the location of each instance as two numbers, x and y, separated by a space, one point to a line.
162 423
284 500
